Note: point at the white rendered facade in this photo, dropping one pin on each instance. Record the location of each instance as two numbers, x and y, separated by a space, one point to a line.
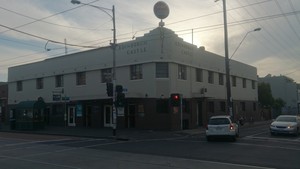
183 61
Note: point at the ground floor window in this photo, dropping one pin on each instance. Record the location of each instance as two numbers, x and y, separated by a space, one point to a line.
162 106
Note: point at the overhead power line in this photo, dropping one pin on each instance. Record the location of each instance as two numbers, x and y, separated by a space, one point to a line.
39 37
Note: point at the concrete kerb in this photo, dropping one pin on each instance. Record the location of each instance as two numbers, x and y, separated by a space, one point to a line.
122 134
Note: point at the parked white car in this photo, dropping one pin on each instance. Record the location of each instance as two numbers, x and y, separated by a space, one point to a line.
286 124
221 126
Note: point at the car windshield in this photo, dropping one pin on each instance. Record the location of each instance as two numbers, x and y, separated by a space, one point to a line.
286 119
218 121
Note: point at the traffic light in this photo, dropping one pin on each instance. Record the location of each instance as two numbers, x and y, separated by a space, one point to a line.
175 99
120 100
109 89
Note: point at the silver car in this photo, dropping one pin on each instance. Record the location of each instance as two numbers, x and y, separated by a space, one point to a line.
286 124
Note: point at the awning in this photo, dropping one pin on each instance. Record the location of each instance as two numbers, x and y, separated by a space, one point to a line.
39 104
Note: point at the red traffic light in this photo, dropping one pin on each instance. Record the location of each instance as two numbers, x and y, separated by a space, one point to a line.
175 99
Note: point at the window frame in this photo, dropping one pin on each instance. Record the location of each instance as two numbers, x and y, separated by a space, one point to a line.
136 72
199 75
233 81
59 81
210 77
19 86
162 70
80 78
244 83
106 75
182 72
39 83
221 79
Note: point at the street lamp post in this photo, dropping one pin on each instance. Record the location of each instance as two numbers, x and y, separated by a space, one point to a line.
113 45
254 30
228 87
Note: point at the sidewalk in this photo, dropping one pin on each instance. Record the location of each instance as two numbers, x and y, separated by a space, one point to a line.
122 134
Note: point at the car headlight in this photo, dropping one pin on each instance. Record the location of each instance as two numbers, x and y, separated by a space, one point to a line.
290 127
272 125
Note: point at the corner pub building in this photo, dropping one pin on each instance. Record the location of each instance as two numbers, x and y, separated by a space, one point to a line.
150 68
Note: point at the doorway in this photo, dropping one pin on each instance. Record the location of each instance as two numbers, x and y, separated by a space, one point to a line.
107 116
131 116
88 115
199 114
71 116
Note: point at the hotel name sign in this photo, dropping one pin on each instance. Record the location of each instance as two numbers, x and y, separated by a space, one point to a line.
134 47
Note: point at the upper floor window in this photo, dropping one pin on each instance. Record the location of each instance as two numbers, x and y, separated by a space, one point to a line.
253 84
19 86
106 75
80 78
59 81
221 79
182 72
244 83
136 72
233 81
162 70
210 77
199 75
39 83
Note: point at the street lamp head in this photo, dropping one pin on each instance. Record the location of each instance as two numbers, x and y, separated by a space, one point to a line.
257 29
75 2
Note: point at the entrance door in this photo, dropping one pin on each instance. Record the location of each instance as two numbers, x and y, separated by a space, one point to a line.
107 116
131 116
71 116
199 114
88 115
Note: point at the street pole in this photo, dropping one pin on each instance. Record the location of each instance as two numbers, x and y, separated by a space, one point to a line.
113 45
114 74
228 87
254 30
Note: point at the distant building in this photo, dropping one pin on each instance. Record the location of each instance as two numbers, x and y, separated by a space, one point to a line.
150 69
3 102
285 88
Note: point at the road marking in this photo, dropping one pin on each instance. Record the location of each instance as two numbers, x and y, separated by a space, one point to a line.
232 164
272 139
31 142
39 162
266 146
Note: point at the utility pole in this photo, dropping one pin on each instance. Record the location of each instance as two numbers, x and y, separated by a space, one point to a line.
114 74
228 86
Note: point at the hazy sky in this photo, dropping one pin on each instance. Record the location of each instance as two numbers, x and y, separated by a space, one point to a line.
273 50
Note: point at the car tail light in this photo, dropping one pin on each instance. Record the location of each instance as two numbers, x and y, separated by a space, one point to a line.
231 127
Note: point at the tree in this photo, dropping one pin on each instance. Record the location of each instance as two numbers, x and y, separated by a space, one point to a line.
278 104
265 97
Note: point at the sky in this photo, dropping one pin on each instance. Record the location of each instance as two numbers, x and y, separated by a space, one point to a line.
34 30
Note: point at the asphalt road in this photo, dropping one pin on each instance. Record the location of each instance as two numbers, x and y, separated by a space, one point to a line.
254 149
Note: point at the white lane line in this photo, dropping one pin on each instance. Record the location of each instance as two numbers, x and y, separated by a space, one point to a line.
279 140
232 164
39 162
266 146
258 134
31 142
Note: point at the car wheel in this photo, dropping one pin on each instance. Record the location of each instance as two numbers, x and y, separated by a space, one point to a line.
233 138
272 133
